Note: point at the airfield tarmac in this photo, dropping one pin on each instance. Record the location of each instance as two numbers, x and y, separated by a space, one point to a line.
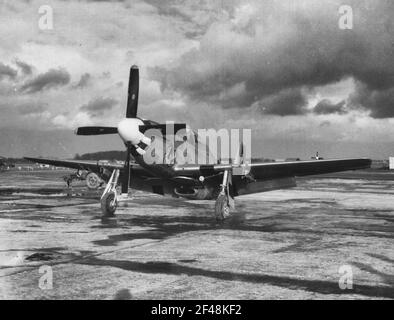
286 244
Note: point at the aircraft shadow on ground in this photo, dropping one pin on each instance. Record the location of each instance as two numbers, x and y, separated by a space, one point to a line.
315 286
386 277
161 227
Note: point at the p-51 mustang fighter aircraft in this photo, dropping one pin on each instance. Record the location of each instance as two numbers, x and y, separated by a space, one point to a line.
214 181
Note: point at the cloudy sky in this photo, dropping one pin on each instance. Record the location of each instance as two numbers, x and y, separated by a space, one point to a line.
281 68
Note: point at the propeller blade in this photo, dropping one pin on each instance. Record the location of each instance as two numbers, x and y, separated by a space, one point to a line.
126 173
162 127
90 131
132 98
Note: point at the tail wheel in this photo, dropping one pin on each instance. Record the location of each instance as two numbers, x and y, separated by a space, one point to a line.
109 204
222 208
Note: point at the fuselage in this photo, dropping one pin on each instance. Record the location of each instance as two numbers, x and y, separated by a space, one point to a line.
164 153
159 153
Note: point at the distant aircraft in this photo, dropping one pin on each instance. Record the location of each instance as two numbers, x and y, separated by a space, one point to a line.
215 181
316 157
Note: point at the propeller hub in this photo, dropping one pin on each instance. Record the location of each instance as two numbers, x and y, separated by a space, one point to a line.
128 130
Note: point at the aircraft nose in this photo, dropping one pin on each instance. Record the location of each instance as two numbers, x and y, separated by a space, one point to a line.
128 130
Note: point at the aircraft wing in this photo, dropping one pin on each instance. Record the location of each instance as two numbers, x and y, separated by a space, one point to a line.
305 168
89 165
272 170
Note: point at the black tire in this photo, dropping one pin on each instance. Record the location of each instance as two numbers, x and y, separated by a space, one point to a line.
222 209
109 204
93 181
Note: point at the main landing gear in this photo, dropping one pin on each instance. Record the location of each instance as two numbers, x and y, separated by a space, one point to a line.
109 199
225 200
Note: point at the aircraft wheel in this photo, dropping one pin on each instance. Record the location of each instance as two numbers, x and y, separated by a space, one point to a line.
222 209
109 204
93 181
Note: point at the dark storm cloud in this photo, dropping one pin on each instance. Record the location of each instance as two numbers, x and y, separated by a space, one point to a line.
50 79
26 68
187 10
277 48
287 102
83 81
98 106
7 71
325 106
164 8
194 16
380 103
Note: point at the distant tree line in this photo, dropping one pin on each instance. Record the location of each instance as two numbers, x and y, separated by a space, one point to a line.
4 160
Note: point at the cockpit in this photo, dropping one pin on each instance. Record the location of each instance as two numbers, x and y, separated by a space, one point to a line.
182 148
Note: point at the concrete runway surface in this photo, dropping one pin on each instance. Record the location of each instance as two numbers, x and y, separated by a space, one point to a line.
286 244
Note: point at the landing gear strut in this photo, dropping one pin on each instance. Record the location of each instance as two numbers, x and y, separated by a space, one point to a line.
225 200
109 199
